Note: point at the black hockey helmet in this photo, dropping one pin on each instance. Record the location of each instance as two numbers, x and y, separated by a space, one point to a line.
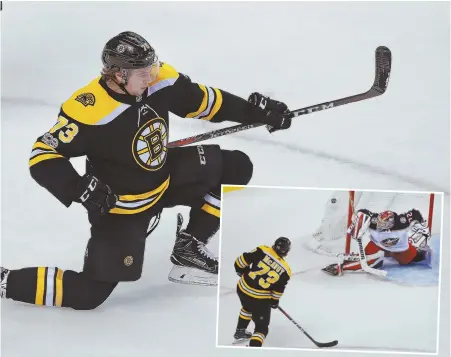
282 246
128 50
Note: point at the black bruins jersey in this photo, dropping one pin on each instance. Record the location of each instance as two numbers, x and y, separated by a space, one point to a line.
265 274
124 137
402 220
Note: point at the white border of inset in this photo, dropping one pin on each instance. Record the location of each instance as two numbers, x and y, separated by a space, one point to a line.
334 350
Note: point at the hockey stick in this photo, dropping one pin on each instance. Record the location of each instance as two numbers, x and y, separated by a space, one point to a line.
318 344
364 263
382 75
358 237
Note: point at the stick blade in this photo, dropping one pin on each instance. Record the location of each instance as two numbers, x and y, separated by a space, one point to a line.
327 344
383 69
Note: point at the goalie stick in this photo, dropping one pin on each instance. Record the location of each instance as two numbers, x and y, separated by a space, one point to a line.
358 237
318 344
382 75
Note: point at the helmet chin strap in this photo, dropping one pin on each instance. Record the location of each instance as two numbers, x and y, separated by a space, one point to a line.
125 79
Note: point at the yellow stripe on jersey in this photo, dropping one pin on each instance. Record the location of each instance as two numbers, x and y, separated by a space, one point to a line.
237 262
40 286
43 157
241 262
254 293
271 252
241 258
217 105
212 210
40 145
132 204
166 77
92 105
203 105
210 105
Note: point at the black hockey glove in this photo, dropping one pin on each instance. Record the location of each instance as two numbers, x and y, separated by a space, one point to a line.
274 304
278 116
95 196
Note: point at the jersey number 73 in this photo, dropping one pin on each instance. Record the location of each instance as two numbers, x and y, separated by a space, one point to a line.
271 276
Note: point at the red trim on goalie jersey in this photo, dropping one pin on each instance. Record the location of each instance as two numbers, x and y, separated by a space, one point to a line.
405 257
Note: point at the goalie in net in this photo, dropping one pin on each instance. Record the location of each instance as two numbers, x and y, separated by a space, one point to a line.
402 236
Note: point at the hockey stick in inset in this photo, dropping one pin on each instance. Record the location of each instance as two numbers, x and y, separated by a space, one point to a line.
362 256
318 344
364 263
382 75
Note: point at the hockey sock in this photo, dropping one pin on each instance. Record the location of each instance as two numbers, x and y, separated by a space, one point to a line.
49 286
244 319
257 340
204 221
39 286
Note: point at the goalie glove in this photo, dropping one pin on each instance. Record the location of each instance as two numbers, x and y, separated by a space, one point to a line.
420 235
359 225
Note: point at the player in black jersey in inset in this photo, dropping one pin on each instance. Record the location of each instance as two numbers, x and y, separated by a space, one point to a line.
120 123
264 275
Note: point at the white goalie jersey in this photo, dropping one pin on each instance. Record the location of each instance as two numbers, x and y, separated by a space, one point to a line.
409 228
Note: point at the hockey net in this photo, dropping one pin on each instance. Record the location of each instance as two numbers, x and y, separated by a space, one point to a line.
330 237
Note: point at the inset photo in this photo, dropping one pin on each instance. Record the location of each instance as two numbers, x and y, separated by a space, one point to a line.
334 269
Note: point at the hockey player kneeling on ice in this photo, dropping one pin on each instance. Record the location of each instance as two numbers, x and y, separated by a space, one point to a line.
403 237
120 123
264 275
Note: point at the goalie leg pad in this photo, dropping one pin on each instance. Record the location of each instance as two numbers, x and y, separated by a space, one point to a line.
375 261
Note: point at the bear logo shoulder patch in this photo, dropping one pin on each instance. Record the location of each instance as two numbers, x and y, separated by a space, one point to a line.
86 99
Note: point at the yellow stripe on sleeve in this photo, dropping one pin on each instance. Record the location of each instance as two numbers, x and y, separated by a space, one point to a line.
203 104
217 105
43 157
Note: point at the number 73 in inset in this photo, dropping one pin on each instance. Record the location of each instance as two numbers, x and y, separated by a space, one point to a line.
272 278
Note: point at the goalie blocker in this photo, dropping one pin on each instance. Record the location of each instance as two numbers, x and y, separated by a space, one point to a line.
403 237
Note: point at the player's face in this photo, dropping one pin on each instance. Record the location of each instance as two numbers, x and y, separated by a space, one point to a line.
139 79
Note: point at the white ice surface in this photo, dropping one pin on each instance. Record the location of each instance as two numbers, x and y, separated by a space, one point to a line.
301 53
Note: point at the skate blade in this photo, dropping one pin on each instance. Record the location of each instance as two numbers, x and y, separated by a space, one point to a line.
240 341
192 276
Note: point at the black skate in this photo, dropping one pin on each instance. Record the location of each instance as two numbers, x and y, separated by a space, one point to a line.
3 279
241 335
193 262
